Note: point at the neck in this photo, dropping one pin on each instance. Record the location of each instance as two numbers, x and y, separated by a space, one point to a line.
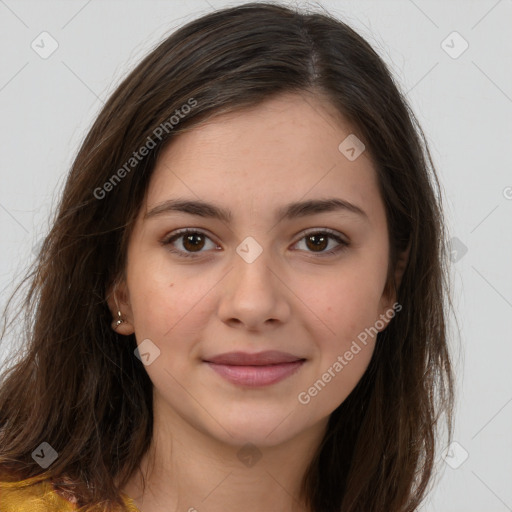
193 472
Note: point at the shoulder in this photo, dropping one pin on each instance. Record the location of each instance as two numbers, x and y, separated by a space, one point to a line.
32 495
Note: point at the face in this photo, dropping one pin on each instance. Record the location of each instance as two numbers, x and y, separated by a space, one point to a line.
309 284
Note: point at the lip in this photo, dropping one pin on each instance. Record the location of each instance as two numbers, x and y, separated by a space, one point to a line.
254 370
259 359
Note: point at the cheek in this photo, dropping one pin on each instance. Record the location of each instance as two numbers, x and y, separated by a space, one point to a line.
345 353
352 308
152 295
354 297
166 305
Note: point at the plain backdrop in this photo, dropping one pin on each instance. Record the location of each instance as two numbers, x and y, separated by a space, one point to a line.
453 59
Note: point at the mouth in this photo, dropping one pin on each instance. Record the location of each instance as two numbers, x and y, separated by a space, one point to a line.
254 370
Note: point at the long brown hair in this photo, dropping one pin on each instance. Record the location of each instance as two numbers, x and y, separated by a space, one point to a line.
78 385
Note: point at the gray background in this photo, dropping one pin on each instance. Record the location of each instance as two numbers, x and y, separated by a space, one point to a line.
463 102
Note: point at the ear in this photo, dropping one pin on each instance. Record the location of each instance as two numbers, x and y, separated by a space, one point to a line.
389 296
118 301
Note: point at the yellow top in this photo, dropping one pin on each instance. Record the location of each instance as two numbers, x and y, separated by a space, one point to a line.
40 496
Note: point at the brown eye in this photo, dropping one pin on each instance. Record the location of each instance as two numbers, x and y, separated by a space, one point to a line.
318 241
192 242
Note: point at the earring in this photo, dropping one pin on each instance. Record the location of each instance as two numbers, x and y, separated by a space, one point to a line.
119 321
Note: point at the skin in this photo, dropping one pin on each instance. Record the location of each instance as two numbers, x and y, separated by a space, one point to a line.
290 298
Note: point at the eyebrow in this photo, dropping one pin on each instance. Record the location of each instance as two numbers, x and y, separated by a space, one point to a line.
288 212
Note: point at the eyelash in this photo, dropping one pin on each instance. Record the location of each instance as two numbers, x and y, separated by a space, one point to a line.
181 233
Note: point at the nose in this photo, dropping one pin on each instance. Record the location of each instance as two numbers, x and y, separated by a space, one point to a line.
254 294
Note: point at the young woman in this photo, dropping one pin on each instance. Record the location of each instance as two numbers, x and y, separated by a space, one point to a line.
241 304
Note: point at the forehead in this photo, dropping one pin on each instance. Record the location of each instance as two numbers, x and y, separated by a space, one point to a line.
285 149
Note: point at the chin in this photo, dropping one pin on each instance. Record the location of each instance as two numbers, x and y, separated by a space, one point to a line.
258 428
